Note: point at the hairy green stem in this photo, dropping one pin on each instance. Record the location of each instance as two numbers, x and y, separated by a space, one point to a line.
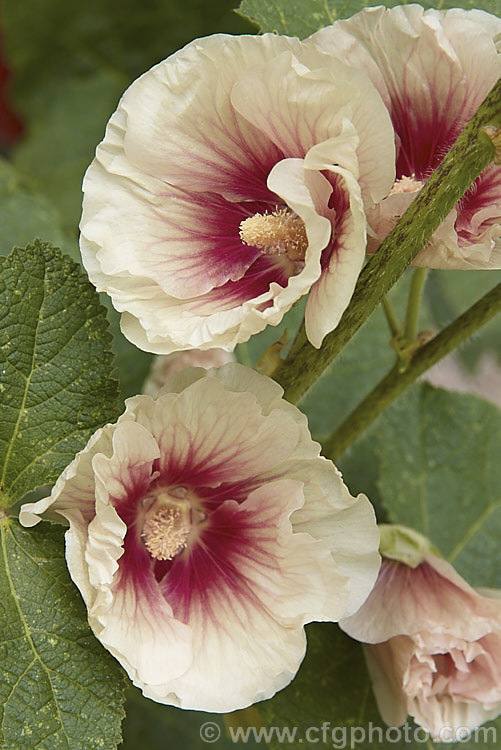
469 155
396 381
413 303
391 318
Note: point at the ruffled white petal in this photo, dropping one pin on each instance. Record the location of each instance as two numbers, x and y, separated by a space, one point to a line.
288 104
134 625
299 583
331 294
306 585
167 324
215 434
73 492
269 395
332 514
181 126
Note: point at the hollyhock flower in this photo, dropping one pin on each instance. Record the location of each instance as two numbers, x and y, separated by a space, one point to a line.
164 366
205 531
433 70
231 181
435 642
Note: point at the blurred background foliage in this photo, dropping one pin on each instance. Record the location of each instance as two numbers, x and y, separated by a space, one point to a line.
64 65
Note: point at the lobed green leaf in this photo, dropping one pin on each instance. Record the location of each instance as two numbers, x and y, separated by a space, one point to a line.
440 474
450 293
59 689
56 387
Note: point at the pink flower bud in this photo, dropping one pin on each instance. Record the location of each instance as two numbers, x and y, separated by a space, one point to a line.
434 644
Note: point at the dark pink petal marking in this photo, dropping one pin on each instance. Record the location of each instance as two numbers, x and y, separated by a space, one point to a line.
214 568
232 166
256 281
206 229
485 193
223 537
135 565
424 140
340 202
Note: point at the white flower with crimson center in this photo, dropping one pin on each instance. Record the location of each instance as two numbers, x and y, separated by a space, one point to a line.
233 179
205 531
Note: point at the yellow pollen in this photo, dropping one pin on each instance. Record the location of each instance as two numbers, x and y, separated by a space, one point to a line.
280 233
166 533
407 185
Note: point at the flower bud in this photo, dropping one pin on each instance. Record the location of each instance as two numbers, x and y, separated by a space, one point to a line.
433 642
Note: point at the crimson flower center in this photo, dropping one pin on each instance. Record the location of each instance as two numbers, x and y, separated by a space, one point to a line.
280 233
169 519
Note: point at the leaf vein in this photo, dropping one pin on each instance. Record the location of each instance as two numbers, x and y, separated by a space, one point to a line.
3 530
25 394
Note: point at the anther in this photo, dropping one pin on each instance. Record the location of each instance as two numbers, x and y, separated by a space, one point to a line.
280 233
166 533
406 185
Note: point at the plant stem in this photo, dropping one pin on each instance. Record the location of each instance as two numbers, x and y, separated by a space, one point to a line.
469 155
391 318
300 337
412 314
396 381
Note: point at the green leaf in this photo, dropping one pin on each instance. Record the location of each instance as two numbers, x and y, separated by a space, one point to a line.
450 293
332 686
25 215
59 689
303 17
440 474
55 365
